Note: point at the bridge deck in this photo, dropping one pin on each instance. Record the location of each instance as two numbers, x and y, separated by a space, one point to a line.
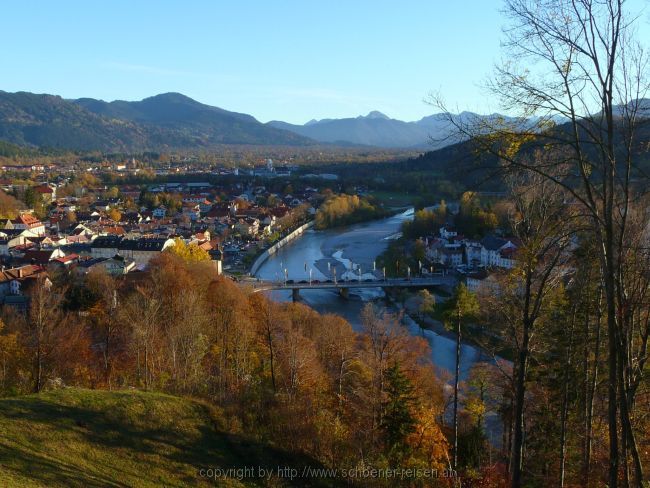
389 283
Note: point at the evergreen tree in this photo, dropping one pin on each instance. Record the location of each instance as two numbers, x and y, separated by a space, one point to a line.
398 421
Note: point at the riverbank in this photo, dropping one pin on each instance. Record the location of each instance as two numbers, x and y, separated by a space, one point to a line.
278 245
473 335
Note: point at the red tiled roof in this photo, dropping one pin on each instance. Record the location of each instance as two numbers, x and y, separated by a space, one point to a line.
28 220
67 259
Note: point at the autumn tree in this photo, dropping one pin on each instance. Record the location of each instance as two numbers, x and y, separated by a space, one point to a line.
190 253
114 214
10 359
9 206
42 331
462 309
427 303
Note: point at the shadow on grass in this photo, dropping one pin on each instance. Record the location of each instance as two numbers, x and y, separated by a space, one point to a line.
121 436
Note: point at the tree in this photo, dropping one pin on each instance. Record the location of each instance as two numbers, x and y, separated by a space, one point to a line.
191 253
103 316
580 61
398 421
427 303
114 214
462 308
30 197
10 356
40 330
9 206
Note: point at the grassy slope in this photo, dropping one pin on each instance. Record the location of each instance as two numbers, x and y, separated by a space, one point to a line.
88 438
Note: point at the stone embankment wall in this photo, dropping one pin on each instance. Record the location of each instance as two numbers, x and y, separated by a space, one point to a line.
278 245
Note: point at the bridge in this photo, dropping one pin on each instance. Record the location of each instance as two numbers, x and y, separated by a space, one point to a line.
343 286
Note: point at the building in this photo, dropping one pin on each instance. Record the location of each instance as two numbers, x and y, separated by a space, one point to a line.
115 266
248 227
47 192
491 248
447 232
11 238
42 256
26 221
139 250
160 212
12 280
483 281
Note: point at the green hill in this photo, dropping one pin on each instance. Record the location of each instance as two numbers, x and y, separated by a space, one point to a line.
89 438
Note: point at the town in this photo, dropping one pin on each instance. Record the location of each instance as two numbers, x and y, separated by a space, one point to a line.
80 224
324 244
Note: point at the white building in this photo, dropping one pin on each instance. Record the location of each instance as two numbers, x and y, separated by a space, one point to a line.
139 250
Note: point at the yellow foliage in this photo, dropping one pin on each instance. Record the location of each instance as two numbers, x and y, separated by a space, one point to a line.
189 253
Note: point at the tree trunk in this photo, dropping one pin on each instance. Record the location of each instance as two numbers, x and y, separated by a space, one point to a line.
520 393
269 338
455 464
612 385
589 396
38 377
565 402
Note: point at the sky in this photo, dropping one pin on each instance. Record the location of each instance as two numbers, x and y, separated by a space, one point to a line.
291 60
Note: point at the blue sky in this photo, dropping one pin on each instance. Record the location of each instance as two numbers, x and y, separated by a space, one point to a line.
274 59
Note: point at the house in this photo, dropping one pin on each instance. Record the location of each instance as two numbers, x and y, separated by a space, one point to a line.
483 281
115 230
65 261
160 212
473 281
192 210
42 256
47 192
447 232
507 257
472 253
116 266
491 248
140 250
12 281
450 256
105 246
12 238
26 221
247 227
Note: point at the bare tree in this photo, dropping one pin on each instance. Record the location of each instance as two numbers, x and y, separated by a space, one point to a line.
528 295
577 62
40 326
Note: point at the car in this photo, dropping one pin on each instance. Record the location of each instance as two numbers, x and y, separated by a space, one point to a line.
369 280
315 281
328 281
289 282
302 281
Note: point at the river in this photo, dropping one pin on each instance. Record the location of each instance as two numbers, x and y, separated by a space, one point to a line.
345 250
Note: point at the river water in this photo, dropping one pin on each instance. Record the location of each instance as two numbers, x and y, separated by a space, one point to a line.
343 251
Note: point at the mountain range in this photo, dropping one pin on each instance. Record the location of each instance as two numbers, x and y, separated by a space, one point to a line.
377 129
166 121
175 121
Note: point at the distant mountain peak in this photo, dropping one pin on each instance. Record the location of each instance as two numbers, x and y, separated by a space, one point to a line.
375 114
173 97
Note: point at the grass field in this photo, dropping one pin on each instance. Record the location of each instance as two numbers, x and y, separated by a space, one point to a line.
87 438
394 199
